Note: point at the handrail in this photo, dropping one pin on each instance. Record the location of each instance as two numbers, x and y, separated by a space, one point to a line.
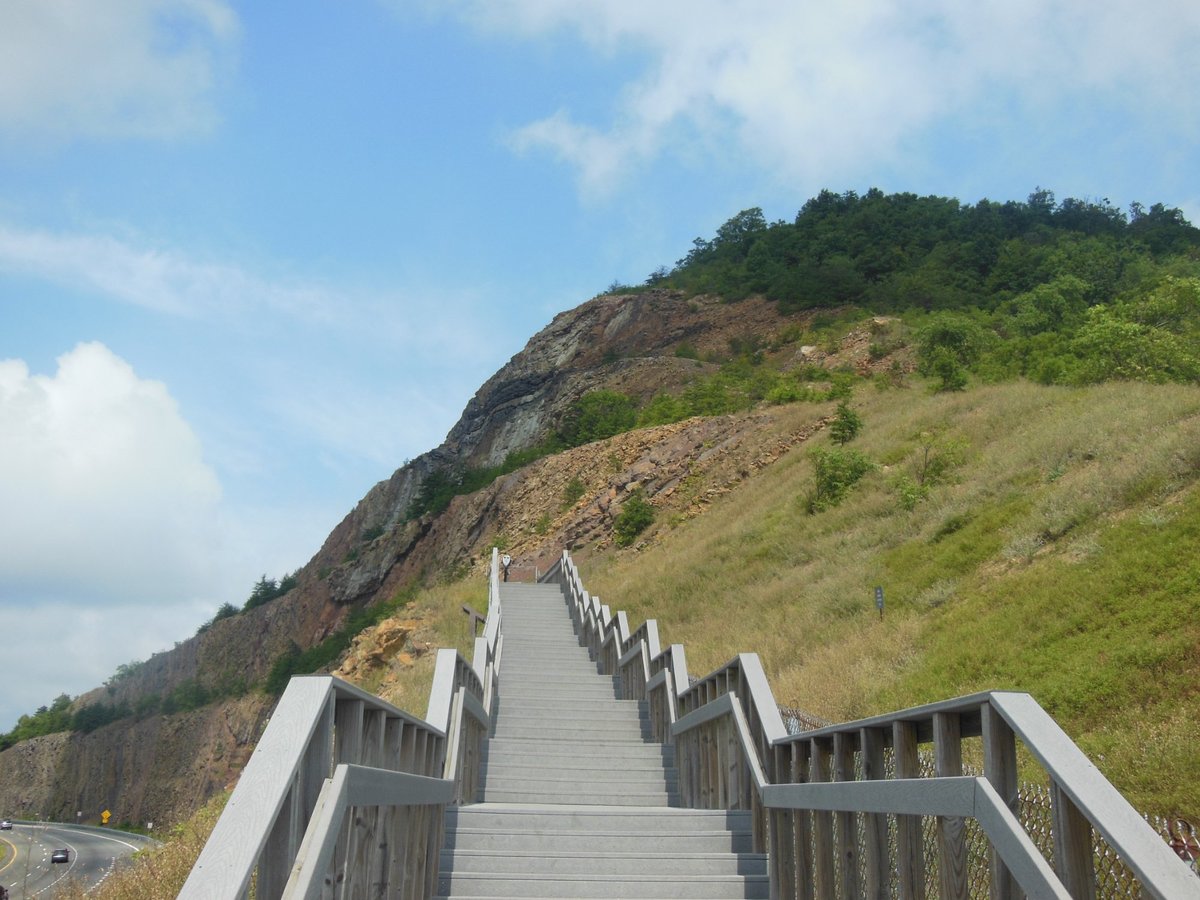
810 794
330 748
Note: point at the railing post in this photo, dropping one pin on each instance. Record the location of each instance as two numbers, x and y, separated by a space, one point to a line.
877 868
1072 845
782 849
952 844
910 843
847 822
819 771
1000 767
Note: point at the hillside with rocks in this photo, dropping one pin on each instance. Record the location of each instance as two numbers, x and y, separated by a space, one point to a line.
1024 327
158 768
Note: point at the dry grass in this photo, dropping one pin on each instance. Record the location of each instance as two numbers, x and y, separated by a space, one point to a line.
157 874
1046 476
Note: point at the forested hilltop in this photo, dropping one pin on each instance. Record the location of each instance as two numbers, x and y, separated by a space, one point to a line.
1071 292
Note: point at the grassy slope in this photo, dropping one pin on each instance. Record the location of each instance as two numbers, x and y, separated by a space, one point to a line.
1058 558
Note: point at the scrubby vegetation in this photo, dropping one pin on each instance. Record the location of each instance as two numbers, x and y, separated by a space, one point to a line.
297 661
1042 545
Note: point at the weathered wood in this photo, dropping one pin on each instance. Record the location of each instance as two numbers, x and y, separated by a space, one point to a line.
802 823
878 870
1000 768
824 864
1072 845
952 843
910 849
846 822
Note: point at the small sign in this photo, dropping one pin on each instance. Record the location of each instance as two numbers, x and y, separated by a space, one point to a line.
104 817
879 600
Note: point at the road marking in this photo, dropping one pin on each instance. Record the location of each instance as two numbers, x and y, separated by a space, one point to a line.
13 848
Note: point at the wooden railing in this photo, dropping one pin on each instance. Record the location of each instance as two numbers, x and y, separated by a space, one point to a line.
345 794
844 810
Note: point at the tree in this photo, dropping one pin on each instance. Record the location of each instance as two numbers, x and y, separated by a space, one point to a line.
598 415
846 424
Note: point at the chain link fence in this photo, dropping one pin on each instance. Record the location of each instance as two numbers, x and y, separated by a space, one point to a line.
1113 878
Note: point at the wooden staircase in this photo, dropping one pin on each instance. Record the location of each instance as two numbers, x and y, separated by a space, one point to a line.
576 801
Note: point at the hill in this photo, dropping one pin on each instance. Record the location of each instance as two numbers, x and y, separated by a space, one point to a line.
677 435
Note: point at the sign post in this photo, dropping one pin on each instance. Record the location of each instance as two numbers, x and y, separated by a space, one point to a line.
879 602
104 817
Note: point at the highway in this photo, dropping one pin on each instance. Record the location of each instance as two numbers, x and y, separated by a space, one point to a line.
28 873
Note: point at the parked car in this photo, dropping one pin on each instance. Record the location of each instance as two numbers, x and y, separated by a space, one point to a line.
60 856
6 825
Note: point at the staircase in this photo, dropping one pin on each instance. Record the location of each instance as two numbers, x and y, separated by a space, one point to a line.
575 801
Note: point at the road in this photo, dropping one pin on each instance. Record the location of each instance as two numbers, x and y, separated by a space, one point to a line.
28 872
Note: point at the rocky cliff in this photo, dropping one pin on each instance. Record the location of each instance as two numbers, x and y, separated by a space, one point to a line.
159 768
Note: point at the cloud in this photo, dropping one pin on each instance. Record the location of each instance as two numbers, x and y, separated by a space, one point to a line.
123 68
106 495
153 278
816 90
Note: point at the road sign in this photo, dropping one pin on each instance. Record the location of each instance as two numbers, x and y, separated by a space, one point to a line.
879 600
104 817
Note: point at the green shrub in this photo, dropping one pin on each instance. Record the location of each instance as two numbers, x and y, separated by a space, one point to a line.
836 472
846 424
636 516
573 491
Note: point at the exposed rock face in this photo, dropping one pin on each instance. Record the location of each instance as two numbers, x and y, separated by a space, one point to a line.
162 767
158 769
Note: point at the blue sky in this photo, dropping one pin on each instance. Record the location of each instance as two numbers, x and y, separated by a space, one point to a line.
254 256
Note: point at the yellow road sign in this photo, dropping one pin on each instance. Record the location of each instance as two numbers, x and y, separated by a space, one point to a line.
104 817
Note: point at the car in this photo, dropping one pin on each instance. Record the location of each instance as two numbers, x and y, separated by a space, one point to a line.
6 825
60 856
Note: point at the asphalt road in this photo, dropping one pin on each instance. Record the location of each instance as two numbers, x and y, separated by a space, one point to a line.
94 852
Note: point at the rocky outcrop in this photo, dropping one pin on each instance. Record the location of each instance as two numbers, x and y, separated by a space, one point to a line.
157 769
161 767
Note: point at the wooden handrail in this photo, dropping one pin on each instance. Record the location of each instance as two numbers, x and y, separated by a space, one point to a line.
805 791
331 747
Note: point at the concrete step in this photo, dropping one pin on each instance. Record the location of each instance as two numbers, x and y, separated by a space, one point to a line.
552 842
634 861
562 716
559 819
612 887
525 690
584 795
614 733
534 775
584 753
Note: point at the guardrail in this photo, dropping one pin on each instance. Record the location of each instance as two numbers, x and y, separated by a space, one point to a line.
346 792
846 810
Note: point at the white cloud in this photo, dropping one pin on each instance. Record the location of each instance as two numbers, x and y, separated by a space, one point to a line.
162 280
122 68
819 90
105 494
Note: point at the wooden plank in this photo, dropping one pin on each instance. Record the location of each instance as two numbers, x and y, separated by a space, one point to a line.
1072 846
878 868
1020 854
802 824
952 842
824 879
1000 768
910 845
950 796
231 854
1160 872
846 822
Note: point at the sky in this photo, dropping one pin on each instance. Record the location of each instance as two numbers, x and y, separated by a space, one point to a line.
253 257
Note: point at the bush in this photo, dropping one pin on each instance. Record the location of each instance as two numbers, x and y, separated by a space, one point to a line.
573 491
846 425
836 472
635 516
